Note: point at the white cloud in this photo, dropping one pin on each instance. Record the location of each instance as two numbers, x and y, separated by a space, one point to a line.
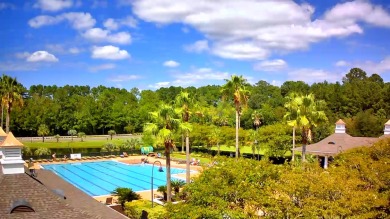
16 66
129 21
255 29
22 55
55 48
270 65
276 83
313 75
78 20
53 5
75 50
114 24
121 78
351 12
239 50
375 67
100 35
109 52
43 20
171 64
341 63
160 84
197 76
41 56
198 46
111 24
102 67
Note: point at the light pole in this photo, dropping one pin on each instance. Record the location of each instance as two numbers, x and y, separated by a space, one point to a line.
151 183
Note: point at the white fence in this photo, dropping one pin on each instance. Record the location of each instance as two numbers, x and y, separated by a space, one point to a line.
69 138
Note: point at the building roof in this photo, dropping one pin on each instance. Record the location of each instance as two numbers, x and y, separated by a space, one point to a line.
15 188
77 198
10 141
388 122
340 121
2 132
337 143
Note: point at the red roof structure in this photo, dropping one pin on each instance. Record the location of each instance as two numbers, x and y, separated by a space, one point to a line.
339 141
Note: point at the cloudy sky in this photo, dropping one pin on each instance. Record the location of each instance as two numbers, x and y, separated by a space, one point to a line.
158 43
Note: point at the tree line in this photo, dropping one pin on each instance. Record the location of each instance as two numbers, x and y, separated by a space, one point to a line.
362 101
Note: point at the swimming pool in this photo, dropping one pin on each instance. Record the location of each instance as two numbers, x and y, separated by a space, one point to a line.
102 177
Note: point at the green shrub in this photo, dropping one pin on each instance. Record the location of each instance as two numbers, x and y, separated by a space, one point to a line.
134 210
125 195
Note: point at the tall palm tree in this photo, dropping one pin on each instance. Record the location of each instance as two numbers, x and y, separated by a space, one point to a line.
11 95
256 117
290 106
184 101
305 113
43 130
236 89
165 121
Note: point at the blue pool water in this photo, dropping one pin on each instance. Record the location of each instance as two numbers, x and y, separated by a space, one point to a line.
101 178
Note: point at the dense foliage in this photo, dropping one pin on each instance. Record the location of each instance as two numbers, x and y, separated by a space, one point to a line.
125 195
356 185
362 101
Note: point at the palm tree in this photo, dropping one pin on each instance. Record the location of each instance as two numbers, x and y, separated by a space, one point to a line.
236 88
215 137
109 147
256 116
290 105
165 121
42 151
11 95
72 132
125 195
305 113
111 133
183 100
81 135
43 130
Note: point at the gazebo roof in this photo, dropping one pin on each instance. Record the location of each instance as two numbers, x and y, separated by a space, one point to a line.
10 141
340 121
388 122
337 143
2 132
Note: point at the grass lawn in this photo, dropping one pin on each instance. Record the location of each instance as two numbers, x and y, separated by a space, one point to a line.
243 149
182 156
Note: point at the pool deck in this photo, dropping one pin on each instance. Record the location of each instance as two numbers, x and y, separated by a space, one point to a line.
94 204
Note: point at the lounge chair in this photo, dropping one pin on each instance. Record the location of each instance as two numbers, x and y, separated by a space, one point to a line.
109 201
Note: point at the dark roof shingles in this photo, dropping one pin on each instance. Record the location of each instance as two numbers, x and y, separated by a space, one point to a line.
45 203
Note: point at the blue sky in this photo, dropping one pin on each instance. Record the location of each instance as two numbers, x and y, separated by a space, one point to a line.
158 43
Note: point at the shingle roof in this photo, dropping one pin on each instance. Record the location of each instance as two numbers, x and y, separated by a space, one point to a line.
337 143
78 199
10 141
45 203
388 122
340 121
2 132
